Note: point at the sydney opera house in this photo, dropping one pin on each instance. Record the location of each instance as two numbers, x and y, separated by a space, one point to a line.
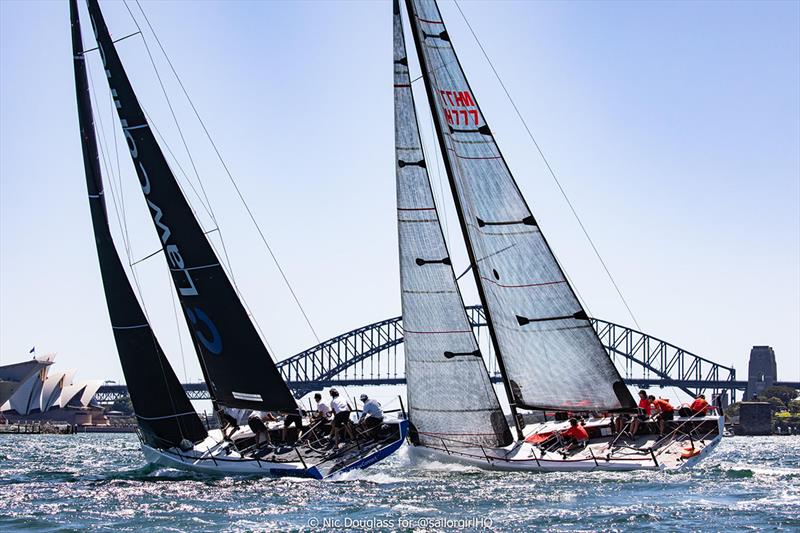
31 391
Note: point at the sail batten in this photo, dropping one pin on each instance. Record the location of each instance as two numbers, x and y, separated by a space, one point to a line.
236 365
164 412
549 355
445 372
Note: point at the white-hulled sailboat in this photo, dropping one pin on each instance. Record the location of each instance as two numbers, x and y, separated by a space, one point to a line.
236 365
548 354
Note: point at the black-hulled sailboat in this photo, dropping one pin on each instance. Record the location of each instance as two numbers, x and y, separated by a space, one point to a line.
549 355
236 365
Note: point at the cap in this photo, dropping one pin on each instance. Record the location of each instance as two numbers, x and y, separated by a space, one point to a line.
364 397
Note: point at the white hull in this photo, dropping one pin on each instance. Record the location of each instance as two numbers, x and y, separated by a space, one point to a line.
219 457
646 453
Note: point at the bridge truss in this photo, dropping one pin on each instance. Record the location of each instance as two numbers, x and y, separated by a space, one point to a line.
369 355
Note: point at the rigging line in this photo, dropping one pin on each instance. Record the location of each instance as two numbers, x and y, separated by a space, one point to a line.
230 176
115 41
464 273
180 131
177 325
148 256
549 168
103 151
120 188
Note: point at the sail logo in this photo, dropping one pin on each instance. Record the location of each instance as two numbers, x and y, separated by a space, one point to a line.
459 108
213 345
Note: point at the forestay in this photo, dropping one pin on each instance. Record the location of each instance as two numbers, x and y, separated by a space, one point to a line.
164 413
551 354
449 392
234 360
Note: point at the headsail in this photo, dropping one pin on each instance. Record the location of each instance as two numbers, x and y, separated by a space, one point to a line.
449 391
548 350
163 411
236 364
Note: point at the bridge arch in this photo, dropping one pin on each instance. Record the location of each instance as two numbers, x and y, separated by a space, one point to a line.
642 359
370 355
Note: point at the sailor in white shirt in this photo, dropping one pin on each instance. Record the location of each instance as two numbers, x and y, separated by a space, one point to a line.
323 412
341 416
371 414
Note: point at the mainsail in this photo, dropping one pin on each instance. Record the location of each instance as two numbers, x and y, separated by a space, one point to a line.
235 362
164 413
449 391
550 355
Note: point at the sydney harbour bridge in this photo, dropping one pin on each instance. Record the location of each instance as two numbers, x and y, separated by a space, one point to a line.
369 355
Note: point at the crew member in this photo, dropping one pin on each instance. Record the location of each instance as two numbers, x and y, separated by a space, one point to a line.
699 405
575 434
665 413
295 419
371 414
323 412
228 423
341 417
644 412
258 424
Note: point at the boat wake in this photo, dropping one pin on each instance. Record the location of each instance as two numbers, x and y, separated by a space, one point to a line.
380 478
419 459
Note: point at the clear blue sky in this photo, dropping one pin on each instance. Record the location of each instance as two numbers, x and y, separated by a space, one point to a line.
674 127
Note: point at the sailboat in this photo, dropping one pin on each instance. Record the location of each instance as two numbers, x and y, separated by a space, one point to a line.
548 354
235 363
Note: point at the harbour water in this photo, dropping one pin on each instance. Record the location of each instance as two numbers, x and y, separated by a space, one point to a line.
101 483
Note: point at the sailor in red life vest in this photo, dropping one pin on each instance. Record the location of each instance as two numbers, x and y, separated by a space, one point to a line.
699 405
645 410
575 434
665 412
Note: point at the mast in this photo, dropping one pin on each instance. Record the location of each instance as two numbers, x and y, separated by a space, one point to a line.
447 383
163 411
460 211
548 352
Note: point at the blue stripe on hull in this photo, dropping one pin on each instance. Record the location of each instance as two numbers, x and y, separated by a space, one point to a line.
380 454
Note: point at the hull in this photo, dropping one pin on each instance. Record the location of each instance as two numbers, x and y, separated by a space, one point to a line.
678 450
218 457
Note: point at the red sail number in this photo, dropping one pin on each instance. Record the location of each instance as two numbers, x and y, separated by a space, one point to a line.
466 112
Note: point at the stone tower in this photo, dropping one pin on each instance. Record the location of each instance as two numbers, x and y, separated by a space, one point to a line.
762 371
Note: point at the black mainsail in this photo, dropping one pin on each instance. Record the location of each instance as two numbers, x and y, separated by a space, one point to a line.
549 354
235 362
449 391
164 413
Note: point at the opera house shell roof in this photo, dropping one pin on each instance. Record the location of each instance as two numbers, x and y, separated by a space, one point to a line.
31 387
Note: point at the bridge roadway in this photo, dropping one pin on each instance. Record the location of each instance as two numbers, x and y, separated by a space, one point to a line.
198 391
368 356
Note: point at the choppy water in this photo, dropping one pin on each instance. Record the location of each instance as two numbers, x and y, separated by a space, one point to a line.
100 482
